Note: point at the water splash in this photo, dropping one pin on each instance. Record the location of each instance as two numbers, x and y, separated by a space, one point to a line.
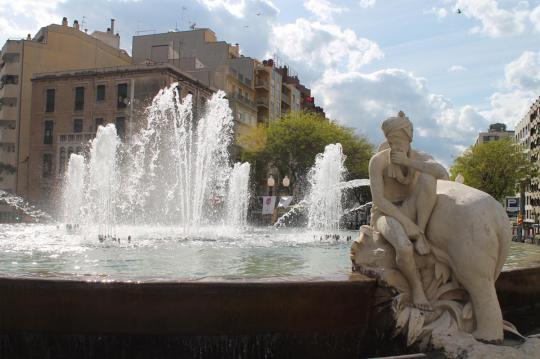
324 200
175 170
23 206
72 197
238 196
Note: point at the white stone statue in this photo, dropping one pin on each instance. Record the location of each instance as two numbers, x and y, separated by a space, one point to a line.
439 244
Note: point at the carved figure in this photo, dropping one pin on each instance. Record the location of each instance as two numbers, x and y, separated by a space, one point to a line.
439 244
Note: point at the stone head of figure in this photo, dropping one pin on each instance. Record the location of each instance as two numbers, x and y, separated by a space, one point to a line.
398 132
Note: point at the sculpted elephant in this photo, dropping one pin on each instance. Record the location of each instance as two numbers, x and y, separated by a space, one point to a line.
470 231
469 237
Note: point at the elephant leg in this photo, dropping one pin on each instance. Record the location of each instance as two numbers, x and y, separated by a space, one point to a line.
487 312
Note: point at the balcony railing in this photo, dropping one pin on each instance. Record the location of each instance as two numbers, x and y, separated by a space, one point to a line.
262 101
7 135
243 100
75 138
285 99
262 84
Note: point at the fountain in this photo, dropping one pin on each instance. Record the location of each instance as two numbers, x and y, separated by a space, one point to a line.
238 196
189 277
324 199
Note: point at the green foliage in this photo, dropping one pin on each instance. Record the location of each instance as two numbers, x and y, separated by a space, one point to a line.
495 167
291 144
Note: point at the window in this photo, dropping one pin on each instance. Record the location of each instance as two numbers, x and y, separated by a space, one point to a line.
121 127
100 93
47 165
62 161
99 122
48 132
77 125
79 98
49 107
122 96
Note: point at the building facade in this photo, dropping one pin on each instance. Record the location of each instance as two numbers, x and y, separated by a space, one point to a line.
53 48
69 106
527 136
497 131
214 63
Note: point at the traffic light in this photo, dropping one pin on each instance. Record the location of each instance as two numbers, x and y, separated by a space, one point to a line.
520 218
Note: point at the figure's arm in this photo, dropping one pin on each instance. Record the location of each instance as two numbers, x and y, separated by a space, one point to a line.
376 168
423 163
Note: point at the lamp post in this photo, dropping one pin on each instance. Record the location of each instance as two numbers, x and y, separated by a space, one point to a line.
270 182
286 182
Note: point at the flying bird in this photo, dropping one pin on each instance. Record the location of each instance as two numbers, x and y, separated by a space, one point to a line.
459 11
258 14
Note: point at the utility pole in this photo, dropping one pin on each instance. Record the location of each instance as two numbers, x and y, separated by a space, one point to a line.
521 213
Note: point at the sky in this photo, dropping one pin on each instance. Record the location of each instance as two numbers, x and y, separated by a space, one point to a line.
452 74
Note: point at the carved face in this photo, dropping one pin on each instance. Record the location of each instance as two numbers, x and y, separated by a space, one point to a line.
399 141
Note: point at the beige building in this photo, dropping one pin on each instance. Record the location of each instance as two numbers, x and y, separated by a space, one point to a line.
268 86
53 48
527 135
215 63
497 131
68 107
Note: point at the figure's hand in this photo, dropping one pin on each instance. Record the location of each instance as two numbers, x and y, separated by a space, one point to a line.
412 230
399 158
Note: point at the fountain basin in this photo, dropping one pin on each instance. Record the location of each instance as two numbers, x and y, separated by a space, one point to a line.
280 317
261 293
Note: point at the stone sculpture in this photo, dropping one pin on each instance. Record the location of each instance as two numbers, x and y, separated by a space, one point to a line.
440 245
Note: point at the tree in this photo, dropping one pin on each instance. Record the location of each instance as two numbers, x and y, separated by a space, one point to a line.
495 167
291 144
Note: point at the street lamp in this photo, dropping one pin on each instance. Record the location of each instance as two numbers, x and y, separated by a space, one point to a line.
270 182
286 182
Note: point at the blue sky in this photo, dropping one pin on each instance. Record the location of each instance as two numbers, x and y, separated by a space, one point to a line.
453 74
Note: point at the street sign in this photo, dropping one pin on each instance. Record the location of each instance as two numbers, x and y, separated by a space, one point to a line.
512 205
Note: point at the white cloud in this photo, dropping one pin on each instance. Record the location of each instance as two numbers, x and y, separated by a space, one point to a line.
456 68
238 8
524 72
323 46
495 21
367 3
440 12
324 10
364 100
534 17
19 18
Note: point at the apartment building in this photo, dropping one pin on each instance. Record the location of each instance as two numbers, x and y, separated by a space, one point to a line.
528 137
497 131
214 63
68 107
53 48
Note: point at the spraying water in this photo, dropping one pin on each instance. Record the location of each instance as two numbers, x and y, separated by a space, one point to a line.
324 200
72 197
174 170
238 196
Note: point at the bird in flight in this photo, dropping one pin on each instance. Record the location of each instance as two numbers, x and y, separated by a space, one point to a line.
459 11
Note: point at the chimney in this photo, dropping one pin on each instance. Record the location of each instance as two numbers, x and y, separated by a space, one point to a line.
76 24
112 26
64 21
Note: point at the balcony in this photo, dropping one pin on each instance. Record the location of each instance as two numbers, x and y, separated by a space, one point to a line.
262 84
262 102
8 112
7 181
9 90
75 138
7 135
8 157
244 100
285 99
9 68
